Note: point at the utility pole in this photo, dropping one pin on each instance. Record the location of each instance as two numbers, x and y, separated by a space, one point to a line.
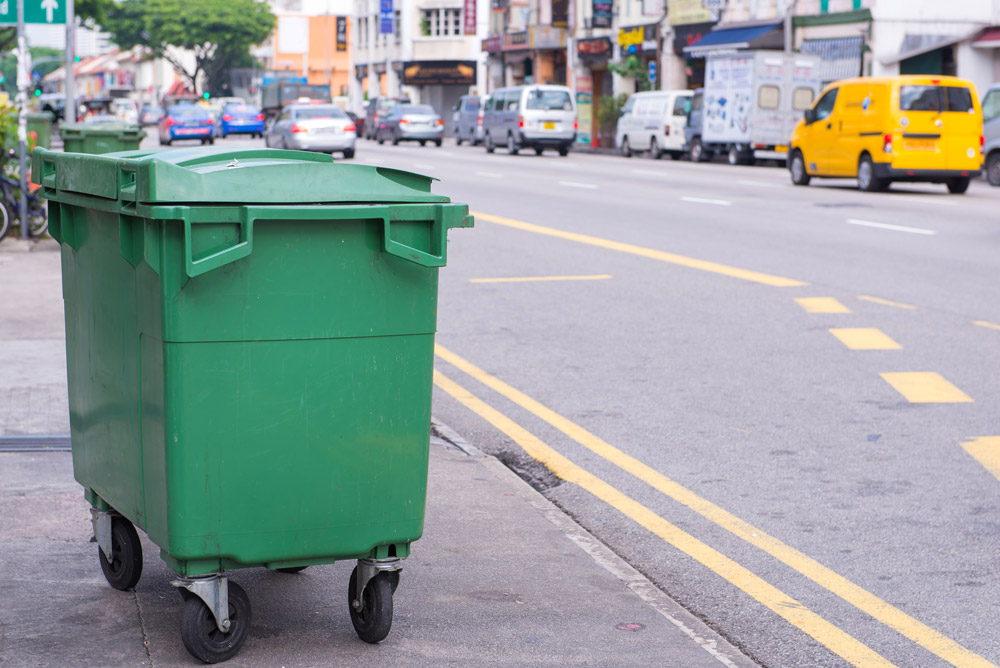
789 4
23 78
69 107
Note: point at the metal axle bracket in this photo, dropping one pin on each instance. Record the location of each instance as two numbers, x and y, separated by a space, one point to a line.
213 591
368 569
101 519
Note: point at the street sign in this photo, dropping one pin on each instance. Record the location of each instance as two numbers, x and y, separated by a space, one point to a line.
35 11
385 17
714 4
652 71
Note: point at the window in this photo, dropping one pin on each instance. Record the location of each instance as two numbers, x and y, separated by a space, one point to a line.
802 98
991 106
549 100
935 98
489 104
472 104
627 109
696 102
441 22
682 105
824 107
513 100
768 97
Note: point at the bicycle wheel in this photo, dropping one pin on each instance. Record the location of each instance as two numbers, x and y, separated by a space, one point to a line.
4 220
38 217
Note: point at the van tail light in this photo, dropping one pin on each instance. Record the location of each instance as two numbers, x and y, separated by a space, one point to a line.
260 117
982 143
520 121
887 144
350 127
479 120
227 117
298 128
576 123
666 130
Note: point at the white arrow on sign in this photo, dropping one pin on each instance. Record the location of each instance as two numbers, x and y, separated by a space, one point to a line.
49 6
4 7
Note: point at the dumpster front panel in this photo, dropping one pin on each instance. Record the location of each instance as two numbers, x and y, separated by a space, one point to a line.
285 450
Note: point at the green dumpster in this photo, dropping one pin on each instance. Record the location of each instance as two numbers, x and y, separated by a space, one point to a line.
249 341
40 125
100 137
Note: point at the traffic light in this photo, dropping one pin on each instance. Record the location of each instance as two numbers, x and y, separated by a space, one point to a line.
205 95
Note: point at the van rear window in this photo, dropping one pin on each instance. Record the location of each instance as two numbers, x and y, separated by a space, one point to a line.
549 100
935 98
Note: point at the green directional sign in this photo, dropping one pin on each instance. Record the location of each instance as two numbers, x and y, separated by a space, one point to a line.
35 11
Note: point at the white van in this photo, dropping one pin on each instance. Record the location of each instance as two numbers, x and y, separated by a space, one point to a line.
654 121
536 116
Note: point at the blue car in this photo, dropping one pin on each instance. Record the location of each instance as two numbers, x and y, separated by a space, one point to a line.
240 119
186 122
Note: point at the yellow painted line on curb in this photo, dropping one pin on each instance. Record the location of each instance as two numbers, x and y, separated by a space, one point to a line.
672 258
833 638
529 279
925 387
821 305
886 302
989 325
986 451
921 634
865 338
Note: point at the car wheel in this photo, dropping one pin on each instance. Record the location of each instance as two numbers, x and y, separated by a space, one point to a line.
458 139
380 137
539 150
654 149
437 142
423 143
993 168
734 156
395 138
697 152
958 185
348 154
626 149
488 143
512 147
867 180
564 151
797 168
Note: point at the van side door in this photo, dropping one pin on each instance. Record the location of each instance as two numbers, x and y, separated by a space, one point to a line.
676 120
818 134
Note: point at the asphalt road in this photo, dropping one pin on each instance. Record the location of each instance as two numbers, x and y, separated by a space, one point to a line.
776 402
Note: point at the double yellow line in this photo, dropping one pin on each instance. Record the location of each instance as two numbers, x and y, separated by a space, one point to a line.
829 635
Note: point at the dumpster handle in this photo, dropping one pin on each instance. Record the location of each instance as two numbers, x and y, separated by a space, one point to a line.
238 251
415 255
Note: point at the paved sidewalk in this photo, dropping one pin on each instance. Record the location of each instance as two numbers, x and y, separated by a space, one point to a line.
500 578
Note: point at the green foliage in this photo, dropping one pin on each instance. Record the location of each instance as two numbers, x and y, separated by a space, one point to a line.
218 32
632 67
608 110
8 66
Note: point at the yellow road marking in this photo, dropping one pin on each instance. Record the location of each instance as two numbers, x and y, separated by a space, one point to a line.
673 258
931 640
528 279
925 387
885 302
865 338
822 305
986 451
786 607
983 323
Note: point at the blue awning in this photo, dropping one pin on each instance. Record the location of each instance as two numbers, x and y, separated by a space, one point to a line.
735 38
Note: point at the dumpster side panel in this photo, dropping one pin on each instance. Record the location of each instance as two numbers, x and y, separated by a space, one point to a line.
285 450
102 360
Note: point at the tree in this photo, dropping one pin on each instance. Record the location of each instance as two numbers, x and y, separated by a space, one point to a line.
631 68
218 32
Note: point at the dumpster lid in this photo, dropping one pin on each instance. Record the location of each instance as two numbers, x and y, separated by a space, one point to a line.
225 176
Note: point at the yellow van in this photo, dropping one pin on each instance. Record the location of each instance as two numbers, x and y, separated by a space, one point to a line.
880 130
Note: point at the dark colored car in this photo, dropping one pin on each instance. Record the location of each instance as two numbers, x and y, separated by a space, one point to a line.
359 123
150 114
187 121
240 119
411 122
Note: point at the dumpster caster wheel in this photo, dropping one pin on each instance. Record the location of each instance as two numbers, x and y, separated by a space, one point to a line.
125 567
372 615
292 569
201 635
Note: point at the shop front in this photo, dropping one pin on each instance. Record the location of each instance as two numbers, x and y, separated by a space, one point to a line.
592 83
640 42
440 83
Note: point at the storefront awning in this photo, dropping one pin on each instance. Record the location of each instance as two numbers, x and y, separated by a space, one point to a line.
988 40
732 38
840 57
917 45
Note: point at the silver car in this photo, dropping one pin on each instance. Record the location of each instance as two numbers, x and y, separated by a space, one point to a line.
469 121
313 127
411 122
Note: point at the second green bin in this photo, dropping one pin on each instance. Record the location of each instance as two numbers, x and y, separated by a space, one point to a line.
250 351
100 137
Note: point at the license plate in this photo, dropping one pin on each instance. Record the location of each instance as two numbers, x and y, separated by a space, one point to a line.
188 131
781 149
549 125
328 131
919 144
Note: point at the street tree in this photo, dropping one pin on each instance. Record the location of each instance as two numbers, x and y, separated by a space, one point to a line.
218 32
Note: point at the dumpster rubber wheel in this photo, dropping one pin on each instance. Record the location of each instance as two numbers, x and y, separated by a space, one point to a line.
292 569
372 624
125 568
203 639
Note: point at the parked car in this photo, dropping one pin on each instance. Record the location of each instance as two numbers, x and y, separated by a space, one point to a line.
693 145
991 134
313 127
534 116
189 121
359 123
412 122
150 114
880 130
240 119
379 108
654 121
469 119
125 110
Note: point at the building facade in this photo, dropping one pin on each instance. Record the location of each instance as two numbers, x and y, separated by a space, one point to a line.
311 41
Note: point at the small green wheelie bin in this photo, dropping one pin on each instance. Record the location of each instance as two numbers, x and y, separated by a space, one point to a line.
100 137
250 341
40 124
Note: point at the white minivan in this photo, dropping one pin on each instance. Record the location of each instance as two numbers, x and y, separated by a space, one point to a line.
534 116
654 121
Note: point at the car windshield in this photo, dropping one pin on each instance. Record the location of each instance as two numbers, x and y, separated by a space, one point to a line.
188 111
319 113
425 109
472 105
549 100
935 98
241 109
